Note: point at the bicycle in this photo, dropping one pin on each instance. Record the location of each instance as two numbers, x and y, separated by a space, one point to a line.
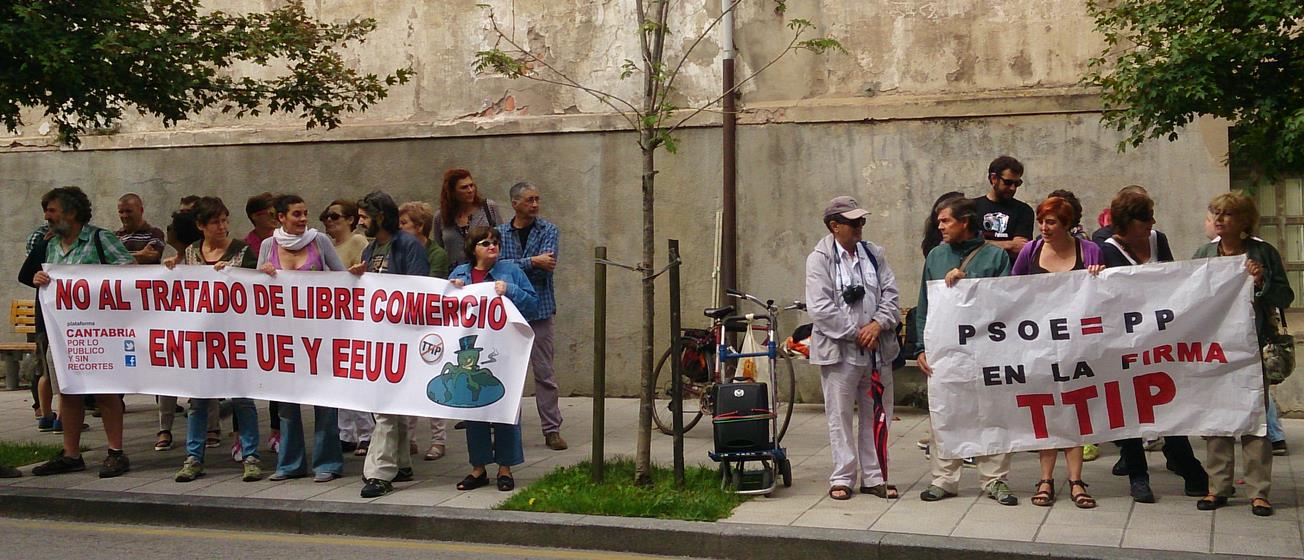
701 349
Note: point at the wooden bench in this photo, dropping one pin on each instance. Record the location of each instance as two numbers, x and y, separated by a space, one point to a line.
22 315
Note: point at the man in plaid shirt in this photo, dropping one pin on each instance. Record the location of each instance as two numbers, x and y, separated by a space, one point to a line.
75 241
530 242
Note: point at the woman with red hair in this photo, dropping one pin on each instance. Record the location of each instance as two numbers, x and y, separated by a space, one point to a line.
461 208
1059 251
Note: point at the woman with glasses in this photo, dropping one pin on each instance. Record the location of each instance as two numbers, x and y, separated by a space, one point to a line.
295 246
492 442
1058 250
461 208
1235 220
341 220
218 250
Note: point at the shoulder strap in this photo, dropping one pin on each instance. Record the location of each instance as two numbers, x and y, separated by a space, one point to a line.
491 212
873 261
964 264
99 244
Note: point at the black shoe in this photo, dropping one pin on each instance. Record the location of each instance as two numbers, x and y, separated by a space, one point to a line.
115 464
471 482
460 425
348 446
506 483
1279 449
1120 468
403 475
375 488
1196 485
9 472
1206 504
59 464
1141 492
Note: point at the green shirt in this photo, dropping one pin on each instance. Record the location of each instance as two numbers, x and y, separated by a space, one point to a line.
84 251
990 261
438 260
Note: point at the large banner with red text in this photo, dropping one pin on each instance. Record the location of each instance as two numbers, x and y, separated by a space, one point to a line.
1058 360
378 342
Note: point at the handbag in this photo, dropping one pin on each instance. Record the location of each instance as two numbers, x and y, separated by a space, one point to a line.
1279 351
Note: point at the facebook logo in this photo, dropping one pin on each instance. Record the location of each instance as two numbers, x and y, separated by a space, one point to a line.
131 361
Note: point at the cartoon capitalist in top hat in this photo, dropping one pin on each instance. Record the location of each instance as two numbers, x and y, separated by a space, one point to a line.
465 384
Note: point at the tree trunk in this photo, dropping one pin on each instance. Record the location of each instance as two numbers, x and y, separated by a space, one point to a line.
643 455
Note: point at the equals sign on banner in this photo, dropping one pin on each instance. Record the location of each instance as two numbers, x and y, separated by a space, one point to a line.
1092 325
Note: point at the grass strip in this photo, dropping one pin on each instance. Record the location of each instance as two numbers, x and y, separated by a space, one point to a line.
570 490
17 454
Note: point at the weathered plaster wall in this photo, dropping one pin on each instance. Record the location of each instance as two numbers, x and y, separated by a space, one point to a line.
899 50
590 181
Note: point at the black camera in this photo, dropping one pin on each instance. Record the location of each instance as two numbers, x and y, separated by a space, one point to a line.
853 294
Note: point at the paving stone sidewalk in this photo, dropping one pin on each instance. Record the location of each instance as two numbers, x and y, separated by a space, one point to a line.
1172 524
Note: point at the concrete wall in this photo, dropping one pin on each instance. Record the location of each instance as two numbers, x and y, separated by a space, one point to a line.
591 189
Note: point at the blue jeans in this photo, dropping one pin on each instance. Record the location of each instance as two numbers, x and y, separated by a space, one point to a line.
1275 433
327 455
494 443
246 418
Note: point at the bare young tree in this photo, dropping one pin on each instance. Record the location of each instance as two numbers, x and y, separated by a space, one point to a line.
656 119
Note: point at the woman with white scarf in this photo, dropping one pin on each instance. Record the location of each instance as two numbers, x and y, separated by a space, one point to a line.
295 246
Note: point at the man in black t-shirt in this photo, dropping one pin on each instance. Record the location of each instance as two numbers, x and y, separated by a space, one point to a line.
1007 222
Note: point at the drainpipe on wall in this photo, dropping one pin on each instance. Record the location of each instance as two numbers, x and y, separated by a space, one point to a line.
729 193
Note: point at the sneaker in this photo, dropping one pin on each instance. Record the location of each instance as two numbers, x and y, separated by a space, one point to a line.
325 476
934 493
922 443
969 463
554 441
927 452
274 443
1141 492
46 423
1000 491
375 488
1279 448
9 472
237 452
1090 452
252 472
190 470
57 426
115 464
214 440
404 475
60 464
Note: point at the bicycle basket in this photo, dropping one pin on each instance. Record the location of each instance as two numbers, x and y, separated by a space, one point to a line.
696 360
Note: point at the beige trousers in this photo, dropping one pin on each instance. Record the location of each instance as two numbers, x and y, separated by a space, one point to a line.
946 472
1220 463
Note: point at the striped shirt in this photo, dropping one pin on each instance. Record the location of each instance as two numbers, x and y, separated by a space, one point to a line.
146 236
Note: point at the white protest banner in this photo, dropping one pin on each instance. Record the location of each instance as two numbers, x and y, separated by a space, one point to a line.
380 342
1058 360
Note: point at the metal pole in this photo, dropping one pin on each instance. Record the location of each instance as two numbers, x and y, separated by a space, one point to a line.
599 360
729 150
676 382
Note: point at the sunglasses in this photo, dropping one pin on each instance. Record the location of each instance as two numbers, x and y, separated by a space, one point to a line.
858 222
331 217
1011 182
486 243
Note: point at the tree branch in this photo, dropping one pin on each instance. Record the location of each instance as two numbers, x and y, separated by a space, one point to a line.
670 81
792 45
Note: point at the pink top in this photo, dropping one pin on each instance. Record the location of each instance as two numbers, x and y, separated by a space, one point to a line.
314 261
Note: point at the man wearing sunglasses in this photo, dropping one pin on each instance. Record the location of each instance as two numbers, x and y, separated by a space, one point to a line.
1006 221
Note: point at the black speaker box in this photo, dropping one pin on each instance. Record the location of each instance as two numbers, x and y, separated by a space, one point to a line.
734 432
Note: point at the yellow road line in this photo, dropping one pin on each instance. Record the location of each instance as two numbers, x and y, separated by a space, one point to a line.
288 538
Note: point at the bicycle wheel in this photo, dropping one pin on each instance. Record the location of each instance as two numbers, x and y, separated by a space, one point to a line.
692 396
785 380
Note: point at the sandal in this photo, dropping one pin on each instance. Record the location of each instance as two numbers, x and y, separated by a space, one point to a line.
845 492
1044 498
1210 502
506 483
1081 499
885 491
1263 510
164 442
471 482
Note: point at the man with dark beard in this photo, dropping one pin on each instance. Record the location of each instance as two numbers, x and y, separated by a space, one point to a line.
391 251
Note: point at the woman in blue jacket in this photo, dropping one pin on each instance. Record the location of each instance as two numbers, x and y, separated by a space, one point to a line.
491 442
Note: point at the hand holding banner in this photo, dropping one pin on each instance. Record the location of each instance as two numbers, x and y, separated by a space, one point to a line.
392 344
1058 360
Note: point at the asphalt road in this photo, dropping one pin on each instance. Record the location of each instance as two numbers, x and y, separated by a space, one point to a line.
33 538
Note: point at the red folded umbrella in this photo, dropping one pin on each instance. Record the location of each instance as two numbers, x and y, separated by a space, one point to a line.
880 414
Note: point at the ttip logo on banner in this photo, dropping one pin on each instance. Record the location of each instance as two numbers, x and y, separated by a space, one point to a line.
1092 325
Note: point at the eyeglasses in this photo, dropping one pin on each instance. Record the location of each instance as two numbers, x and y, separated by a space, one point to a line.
1011 182
331 217
486 243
